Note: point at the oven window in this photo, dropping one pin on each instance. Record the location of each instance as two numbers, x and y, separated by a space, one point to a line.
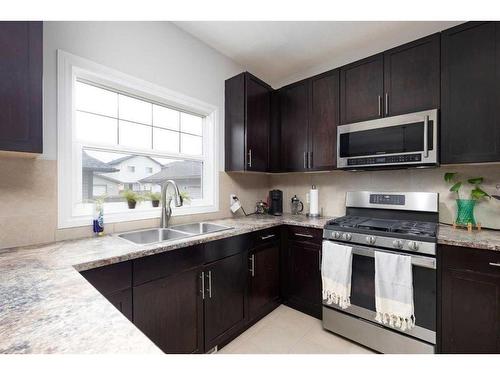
389 140
424 290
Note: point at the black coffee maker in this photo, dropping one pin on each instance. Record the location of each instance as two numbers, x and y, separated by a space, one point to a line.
276 202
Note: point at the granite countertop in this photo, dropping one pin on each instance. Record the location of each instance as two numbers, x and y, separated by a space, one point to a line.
46 306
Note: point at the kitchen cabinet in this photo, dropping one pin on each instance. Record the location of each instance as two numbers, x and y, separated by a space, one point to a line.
470 300
169 311
412 77
224 298
303 279
470 86
114 282
309 119
247 123
264 274
362 90
21 89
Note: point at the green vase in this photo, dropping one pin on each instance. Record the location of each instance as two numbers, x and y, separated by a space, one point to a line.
465 211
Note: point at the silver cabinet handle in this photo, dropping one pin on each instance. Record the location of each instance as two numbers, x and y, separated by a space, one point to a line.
379 106
252 262
250 158
304 235
386 103
305 160
202 277
309 160
494 264
426 135
209 284
268 236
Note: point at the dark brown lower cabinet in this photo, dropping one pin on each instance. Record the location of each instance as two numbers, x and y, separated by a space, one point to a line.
470 300
122 300
170 312
264 280
224 304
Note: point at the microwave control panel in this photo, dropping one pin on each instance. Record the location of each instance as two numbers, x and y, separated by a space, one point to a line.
407 158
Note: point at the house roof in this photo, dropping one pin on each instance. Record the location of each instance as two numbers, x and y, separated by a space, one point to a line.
90 163
176 170
122 159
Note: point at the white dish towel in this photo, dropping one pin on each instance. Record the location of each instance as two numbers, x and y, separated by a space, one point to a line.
336 269
394 290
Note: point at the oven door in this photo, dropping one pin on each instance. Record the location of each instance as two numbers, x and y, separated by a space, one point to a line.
424 291
400 140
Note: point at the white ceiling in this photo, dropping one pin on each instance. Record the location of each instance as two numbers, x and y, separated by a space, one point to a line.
280 52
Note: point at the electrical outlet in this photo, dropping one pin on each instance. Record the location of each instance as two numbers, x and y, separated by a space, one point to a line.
231 199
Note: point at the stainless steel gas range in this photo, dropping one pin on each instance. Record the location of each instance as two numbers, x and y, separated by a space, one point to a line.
401 223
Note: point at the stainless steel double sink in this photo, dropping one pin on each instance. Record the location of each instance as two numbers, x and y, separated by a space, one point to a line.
176 232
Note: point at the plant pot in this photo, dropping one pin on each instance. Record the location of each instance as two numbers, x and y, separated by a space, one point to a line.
155 203
465 211
131 204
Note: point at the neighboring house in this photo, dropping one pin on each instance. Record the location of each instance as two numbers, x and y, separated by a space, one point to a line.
130 170
92 187
186 173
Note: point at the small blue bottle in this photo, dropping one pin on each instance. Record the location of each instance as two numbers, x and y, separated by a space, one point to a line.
98 222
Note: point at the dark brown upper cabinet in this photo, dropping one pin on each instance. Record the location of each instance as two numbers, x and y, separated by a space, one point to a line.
411 77
470 116
402 80
21 88
362 90
309 119
247 123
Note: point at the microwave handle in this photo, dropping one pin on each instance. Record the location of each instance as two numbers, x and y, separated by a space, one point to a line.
426 136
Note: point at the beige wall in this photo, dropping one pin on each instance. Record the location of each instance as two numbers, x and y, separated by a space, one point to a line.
333 186
28 203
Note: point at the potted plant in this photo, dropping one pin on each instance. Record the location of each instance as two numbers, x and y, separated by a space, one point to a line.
154 198
465 207
132 198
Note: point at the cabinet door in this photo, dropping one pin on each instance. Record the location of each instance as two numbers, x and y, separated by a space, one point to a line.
470 312
412 77
258 116
225 288
21 89
264 280
294 126
325 112
304 278
361 90
470 127
122 300
170 312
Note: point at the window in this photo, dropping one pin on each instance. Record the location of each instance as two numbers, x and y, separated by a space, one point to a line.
121 133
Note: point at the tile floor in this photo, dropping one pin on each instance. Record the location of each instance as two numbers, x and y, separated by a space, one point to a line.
288 331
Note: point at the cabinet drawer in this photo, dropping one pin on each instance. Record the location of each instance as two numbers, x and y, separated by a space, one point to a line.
165 264
467 259
265 236
219 249
302 234
110 279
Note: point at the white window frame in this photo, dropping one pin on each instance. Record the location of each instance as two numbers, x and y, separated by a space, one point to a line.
71 212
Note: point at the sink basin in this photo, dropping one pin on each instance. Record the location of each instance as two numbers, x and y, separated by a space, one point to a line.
153 235
200 228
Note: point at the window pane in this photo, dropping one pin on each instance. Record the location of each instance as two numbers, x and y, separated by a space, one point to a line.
191 144
135 110
165 140
106 172
165 117
191 124
135 135
96 100
95 128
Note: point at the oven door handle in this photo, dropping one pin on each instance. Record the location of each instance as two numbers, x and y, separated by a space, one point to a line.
416 260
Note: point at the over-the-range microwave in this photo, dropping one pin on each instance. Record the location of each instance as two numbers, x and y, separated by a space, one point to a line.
392 142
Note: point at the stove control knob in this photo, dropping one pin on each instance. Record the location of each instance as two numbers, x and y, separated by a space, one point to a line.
347 236
370 240
413 245
336 235
398 244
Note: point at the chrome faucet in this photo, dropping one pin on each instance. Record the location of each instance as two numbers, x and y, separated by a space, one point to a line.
166 210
